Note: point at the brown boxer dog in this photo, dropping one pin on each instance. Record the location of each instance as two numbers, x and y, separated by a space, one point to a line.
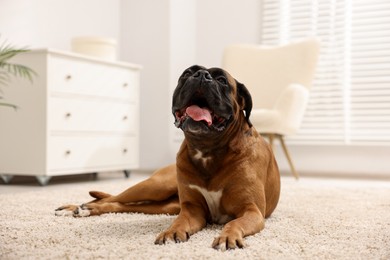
225 172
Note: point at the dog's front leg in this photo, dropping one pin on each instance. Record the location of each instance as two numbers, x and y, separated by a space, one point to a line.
250 222
191 219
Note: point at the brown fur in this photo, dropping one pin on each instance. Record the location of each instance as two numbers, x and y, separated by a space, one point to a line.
240 164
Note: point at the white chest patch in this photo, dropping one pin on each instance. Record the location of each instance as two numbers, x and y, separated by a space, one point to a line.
213 199
199 156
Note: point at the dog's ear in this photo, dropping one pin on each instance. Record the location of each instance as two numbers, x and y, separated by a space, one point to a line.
245 100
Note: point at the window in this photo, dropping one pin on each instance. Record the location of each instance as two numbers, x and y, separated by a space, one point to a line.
350 97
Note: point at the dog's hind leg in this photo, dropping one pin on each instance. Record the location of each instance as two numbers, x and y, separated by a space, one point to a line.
159 187
169 206
142 197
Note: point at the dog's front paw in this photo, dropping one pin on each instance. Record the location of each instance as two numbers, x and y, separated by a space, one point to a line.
66 210
73 210
177 236
225 242
82 211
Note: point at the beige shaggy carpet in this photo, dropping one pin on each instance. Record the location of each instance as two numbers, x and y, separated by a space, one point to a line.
315 219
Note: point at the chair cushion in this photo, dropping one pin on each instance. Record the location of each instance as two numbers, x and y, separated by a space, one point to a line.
269 122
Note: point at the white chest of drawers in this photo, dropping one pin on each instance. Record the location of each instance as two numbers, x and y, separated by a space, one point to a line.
80 115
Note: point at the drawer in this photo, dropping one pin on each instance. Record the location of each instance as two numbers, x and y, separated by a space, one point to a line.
83 152
70 75
92 115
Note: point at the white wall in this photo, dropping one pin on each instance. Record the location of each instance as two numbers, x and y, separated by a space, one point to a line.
223 22
145 40
52 23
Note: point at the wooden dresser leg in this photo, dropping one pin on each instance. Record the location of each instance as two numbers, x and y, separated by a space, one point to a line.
6 178
43 180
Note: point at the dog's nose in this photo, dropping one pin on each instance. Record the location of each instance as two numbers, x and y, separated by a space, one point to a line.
204 74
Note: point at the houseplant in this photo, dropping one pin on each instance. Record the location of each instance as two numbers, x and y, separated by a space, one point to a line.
9 70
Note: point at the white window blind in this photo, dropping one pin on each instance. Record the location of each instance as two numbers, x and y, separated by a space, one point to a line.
350 97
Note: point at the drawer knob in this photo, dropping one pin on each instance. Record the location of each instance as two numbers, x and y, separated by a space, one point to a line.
124 118
124 150
67 152
68 77
125 84
68 115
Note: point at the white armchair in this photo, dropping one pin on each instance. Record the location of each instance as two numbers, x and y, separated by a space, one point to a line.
279 80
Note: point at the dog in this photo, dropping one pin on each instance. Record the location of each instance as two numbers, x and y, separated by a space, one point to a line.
225 172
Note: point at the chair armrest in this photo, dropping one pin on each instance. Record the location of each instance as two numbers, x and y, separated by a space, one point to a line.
291 105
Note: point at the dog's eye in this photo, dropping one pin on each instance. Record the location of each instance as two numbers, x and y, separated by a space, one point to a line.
222 80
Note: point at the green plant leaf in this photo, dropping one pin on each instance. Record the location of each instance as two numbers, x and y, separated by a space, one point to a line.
8 69
7 52
17 70
8 105
4 78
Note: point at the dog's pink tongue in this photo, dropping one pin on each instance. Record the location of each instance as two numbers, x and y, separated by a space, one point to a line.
199 114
